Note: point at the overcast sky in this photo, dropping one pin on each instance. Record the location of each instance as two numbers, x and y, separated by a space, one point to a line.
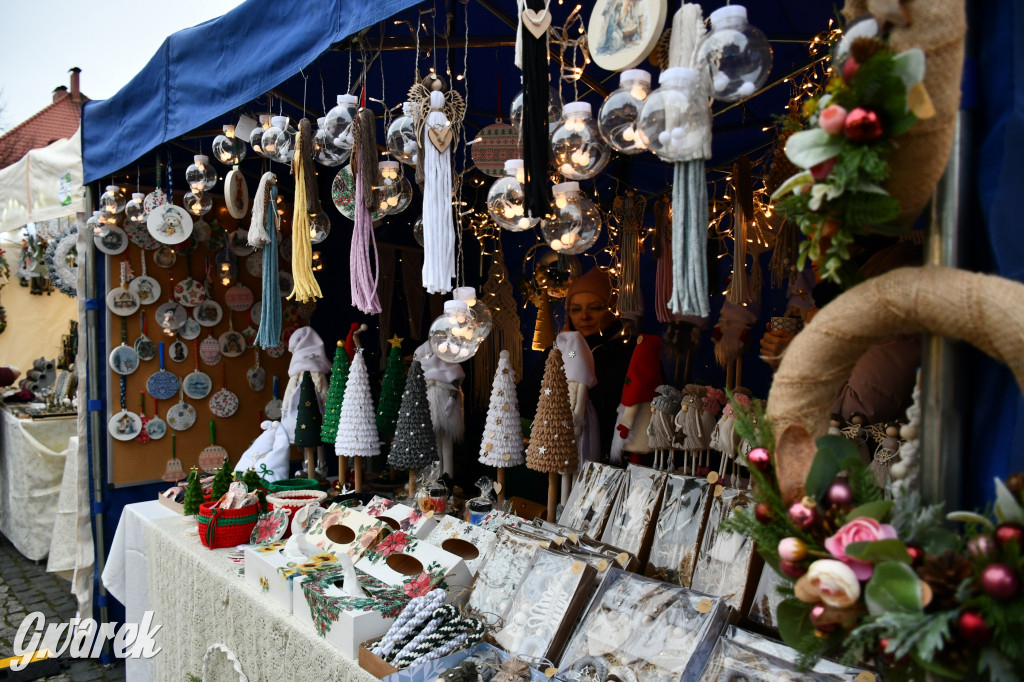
110 40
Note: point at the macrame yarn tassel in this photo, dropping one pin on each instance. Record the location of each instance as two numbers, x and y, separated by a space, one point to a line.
663 255
258 230
362 272
535 115
269 333
438 227
544 331
306 287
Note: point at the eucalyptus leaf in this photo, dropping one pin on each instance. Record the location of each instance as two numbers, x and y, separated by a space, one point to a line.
1008 509
810 147
893 587
828 462
878 551
793 183
877 510
970 517
794 618
909 66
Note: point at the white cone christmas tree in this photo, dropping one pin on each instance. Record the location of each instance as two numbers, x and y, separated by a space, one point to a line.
502 444
357 424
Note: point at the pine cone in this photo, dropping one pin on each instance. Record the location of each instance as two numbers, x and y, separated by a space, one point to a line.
863 49
782 168
1015 482
944 573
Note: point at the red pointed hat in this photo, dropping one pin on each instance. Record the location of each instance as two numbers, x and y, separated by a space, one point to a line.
644 374
350 344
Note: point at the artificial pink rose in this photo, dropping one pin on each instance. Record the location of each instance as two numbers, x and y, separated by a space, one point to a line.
831 119
861 529
831 582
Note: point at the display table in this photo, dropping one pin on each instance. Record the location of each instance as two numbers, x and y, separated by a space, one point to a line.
32 454
198 598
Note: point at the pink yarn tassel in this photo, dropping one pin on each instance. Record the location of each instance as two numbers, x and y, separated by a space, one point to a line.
362 275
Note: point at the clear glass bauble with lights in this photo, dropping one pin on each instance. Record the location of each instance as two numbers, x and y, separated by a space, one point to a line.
616 119
401 138
319 227
452 333
112 200
279 140
515 113
579 152
256 136
98 224
675 122
324 150
737 55
483 323
338 122
392 191
576 223
417 230
134 211
227 148
198 204
201 175
506 201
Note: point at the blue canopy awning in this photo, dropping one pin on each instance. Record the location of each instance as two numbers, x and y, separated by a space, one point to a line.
205 71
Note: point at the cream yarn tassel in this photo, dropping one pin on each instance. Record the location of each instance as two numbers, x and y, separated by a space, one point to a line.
438 228
258 236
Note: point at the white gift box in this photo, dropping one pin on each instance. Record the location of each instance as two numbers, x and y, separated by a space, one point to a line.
343 530
417 566
470 542
401 517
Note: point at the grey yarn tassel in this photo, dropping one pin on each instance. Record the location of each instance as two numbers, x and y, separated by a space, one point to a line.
689 237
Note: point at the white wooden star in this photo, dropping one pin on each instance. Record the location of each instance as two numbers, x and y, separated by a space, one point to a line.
571 354
547 391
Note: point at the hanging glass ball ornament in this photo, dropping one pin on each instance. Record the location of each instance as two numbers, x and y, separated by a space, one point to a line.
198 204
201 176
256 136
277 143
506 200
417 230
112 200
579 151
324 150
483 323
319 227
451 334
99 224
576 223
393 191
227 148
134 211
616 119
402 136
338 123
675 122
737 54
515 113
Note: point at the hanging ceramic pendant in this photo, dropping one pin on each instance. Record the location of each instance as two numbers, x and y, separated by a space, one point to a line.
154 200
181 416
189 292
254 265
198 384
272 411
256 375
232 344
209 350
124 425
135 225
171 316
239 297
236 194
278 350
121 300
201 231
249 334
144 346
238 242
343 193
255 311
178 351
287 283
124 359
162 384
143 437
174 471
212 457
145 287
191 329
165 257
285 250
208 313
112 242
169 224
156 428
224 403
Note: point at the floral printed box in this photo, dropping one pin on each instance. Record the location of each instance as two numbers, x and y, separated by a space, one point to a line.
417 566
274 574
401 517
470 542
343 530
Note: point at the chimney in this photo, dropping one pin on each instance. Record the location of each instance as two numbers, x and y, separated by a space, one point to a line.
76 92
60 92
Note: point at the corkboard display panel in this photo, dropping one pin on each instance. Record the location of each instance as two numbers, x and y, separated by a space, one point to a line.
132 462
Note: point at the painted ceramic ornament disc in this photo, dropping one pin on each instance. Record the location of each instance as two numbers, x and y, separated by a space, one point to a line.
190 330
178 351
249 334
343 193
621 35
232 344
165 257
498 143
236 194
209 351
124 425
171 316
201 230
289 313
277 351
239 243
284 249
115 241
223 403
239 297
169 224
124 359
145 348
122 302
153 200
162 385
146 288
287 283
156 428
138 234
212 458
189 292
197 385
254 265
208 313
270 527
254 312
257 377
181 416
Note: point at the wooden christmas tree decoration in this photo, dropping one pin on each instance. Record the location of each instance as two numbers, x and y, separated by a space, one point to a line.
391 388
193 494
335 395
502 444
414 446
308 422
357 427
553 437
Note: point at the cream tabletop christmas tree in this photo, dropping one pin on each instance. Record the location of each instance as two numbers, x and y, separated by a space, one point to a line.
357 424
502 444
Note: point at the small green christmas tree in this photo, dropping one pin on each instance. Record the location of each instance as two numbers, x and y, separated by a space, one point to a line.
308 420
335 395
193 494
221 481
391 388
252 480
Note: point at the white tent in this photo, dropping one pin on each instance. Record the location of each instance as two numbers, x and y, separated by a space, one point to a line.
44 184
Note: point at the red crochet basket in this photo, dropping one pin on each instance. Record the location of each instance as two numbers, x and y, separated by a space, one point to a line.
292 501
220 528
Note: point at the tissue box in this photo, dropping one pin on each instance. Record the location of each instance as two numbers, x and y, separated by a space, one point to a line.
343 530
274 573
679 530
471 543
727 564
591 499
401 517
343 620
416 567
